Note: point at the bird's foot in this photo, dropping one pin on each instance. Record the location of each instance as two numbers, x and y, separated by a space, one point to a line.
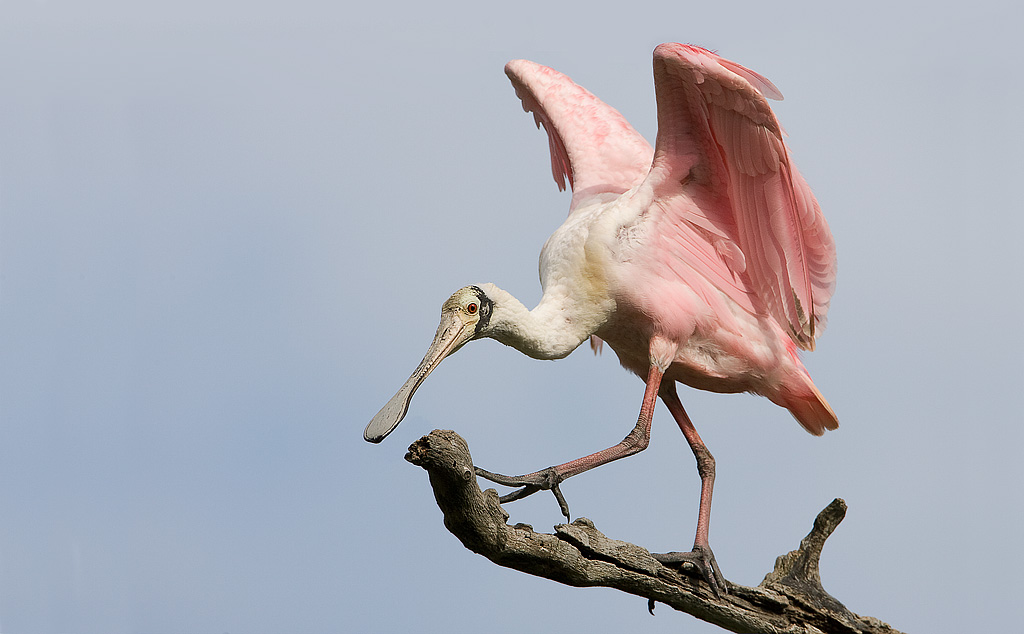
704 560
543 480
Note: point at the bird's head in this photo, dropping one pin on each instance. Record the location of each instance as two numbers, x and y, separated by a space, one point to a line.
465 316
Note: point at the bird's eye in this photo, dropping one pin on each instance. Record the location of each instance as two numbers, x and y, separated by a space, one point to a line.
471 308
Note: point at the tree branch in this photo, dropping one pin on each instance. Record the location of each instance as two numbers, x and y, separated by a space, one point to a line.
790 600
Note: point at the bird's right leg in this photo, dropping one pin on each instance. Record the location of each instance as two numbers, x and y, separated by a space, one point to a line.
548 479
701 555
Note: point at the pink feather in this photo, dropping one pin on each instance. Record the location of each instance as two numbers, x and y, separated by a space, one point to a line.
592 145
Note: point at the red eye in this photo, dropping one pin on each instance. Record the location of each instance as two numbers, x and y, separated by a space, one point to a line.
471 308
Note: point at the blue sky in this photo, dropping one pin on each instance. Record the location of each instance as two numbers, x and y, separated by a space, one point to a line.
225 233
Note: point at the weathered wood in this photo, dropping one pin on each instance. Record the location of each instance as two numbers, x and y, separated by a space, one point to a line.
790 600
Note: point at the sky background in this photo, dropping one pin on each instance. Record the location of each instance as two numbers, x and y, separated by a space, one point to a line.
226 229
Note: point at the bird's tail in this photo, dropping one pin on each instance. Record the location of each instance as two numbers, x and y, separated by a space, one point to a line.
810 409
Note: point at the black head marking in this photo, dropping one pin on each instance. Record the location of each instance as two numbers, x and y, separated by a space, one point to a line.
486 308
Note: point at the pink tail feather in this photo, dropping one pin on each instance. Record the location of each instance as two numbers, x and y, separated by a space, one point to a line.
811 410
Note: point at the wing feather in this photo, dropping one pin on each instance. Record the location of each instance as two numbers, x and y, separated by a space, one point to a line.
592 146
720 143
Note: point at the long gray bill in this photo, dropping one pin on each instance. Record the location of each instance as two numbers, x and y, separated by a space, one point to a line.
448 339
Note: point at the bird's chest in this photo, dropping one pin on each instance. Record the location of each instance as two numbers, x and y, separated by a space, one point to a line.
574 267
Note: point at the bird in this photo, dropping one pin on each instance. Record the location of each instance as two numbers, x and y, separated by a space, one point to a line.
705 260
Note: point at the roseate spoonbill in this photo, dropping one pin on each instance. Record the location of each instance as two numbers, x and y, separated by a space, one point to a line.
705 260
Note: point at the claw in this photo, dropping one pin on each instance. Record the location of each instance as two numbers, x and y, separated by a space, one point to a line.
544 480
704 560
562 504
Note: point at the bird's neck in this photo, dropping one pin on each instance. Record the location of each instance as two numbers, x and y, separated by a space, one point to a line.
549 331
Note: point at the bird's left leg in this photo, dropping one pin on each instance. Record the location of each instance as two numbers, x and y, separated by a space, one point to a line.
549 479
701 555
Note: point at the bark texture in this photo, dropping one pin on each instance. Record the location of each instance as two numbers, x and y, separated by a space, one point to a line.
790 600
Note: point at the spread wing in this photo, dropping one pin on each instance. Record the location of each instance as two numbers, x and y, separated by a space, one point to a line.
728 198
592 145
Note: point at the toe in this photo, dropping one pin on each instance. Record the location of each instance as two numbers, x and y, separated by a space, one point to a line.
704 560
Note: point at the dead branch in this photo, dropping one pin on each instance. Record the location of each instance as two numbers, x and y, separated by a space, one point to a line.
790 600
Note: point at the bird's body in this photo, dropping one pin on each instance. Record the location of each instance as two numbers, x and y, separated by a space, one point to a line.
704 260
597 282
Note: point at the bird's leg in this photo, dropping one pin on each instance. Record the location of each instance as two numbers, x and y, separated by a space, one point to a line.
549 479
701 555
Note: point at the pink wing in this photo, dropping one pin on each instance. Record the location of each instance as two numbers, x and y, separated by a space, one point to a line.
592 145
731 202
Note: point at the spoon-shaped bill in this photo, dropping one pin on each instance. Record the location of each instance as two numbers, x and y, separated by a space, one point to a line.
452 333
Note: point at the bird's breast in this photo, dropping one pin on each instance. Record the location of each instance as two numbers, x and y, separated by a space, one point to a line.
574 268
